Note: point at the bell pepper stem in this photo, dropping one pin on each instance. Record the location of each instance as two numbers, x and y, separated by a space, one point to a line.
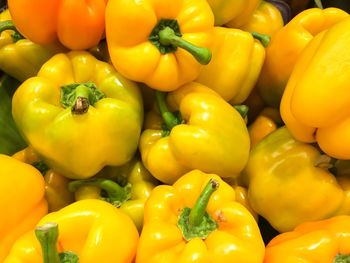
47 236
342 258
264 39
82 101
318 3
242 110
167 37
79 96
9 25
169 118
116 193
199 209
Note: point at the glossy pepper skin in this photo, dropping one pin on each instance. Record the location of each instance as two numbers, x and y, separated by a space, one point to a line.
60 20
233 12
21 58
237 59
266 19
266 122
233 238
287 194
22 202
94 230
321 115
211 136
152 33
57 194
319 241
287 45
135 186
97 122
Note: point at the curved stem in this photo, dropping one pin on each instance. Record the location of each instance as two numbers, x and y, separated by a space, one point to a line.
167 37
318 3
199 209
169 118
9 25
264 39
47 236
116 193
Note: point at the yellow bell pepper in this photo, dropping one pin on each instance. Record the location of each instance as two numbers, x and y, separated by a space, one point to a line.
91 230
210 135
266 19
232 12
319 241
57 194
20 57
157 42
290 182
22 201
237 58
287 45
263 125
79 114
315 103
127 187
198 220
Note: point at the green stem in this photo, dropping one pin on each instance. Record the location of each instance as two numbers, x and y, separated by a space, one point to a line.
47 236
80 96
264 39
168 37
318 3
199 209
196 222
169 118
242 109
116 193
342 258
82 101
9 25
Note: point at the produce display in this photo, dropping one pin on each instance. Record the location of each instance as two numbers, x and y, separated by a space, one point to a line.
188 131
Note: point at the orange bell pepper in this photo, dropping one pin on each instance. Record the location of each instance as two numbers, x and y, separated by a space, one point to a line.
76 24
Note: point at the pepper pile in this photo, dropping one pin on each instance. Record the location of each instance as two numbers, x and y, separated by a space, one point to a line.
174 131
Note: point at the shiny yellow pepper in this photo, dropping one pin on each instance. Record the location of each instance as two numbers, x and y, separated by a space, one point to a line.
266 19
161 43
237 58
22 201
287 45
57 194
290 182
232 12
198 220
90 230
210 135
315 103
127 187
266 122
20 57
79 114
317 241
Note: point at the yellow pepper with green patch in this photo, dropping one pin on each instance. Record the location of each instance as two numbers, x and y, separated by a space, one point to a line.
20 57
79 114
